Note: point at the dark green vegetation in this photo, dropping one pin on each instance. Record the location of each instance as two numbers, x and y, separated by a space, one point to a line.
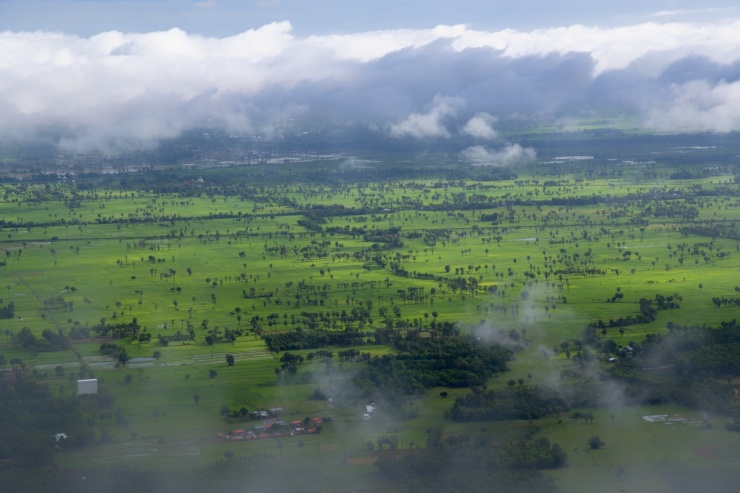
496 320
464 463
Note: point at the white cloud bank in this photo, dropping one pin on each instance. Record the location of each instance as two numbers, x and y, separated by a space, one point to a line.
127 89
699 105
429 124
511 155
481 127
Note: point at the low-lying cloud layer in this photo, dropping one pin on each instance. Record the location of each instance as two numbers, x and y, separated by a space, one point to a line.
120 90
510 155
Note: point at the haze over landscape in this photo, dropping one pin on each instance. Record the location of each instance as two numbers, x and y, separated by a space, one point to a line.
321 246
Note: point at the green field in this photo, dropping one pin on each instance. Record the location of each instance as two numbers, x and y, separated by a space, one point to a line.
540 255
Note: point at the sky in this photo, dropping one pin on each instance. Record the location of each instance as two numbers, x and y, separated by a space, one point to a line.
111 75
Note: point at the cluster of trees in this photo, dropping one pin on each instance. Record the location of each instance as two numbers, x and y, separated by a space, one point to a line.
470 464
326 319
117 352
50 341
669 302
681 367
165 340
725 302
466 285
648 312
315 216
231 415
515 402
534 454
696 349
713 230
717 359
305 339
289 362
78 332
429 362
7 311
671 209
125 330
390 237
30 416
57 302
117 331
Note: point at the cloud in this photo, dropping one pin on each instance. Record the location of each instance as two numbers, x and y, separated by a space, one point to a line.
206 4
480 127
429 124
511 155
128 90
679 12
699 105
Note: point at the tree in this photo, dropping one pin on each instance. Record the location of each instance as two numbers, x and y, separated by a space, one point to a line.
595 443
127 379
25 339
230 359
36 451
212 373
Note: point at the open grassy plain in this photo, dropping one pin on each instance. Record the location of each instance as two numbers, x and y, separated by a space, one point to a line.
204 269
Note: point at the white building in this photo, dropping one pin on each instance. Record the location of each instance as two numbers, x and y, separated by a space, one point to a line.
88 386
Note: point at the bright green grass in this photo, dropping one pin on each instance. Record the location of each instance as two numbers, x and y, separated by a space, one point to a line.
109 267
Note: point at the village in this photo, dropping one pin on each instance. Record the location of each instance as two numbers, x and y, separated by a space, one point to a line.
273 427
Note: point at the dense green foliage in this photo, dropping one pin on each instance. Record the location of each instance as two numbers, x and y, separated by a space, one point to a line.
517 402
30 416
471 464
680 366
308 339
424 362
50 341
6 311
